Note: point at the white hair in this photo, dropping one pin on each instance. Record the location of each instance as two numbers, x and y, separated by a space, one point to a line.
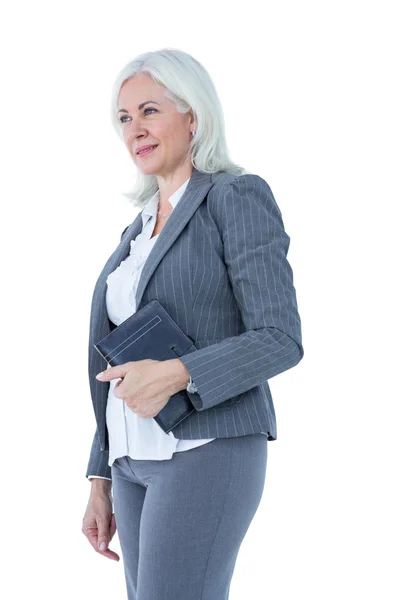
190 87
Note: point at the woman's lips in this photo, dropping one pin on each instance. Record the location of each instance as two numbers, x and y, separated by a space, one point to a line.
146 152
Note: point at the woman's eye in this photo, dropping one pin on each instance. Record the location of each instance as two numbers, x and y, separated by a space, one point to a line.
125 116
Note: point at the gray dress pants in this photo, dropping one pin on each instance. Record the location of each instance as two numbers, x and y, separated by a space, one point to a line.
181 521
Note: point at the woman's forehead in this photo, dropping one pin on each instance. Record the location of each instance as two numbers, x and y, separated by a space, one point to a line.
140 84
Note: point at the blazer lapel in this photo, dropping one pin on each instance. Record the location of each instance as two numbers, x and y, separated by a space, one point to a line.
99 325
194 194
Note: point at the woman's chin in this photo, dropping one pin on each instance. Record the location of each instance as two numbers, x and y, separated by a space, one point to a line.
150 169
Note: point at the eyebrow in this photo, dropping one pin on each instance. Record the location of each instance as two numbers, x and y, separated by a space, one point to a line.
139 107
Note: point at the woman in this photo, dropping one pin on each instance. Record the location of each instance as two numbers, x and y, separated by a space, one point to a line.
209 244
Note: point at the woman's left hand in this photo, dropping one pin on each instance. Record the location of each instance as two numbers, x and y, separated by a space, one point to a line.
147 385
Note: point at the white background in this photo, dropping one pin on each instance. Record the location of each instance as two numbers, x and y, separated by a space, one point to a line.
310 95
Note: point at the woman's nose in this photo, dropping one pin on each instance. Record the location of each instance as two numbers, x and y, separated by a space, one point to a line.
134 129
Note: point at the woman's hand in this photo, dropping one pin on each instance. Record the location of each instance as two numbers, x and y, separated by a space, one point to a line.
99 522
147 385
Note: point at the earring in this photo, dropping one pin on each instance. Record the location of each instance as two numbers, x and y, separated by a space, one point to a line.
193 132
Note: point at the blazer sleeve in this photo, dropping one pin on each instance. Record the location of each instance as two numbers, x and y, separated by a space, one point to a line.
255 250
98 460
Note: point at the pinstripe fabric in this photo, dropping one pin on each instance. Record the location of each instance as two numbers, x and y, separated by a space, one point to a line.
219 267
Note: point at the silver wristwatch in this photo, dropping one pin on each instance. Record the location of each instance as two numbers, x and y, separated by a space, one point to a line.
191 388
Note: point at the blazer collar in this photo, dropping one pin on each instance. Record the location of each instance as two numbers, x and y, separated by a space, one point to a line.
151 208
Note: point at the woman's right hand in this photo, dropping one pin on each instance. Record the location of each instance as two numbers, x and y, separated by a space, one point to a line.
99 524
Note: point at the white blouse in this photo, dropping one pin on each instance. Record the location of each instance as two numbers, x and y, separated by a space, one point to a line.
129 434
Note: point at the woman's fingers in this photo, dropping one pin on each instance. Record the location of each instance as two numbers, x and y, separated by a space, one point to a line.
93 538
103 533
99 525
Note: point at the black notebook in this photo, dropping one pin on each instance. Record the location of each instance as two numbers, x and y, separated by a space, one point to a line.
151 332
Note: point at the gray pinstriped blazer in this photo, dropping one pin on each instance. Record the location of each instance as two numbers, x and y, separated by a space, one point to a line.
219 267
